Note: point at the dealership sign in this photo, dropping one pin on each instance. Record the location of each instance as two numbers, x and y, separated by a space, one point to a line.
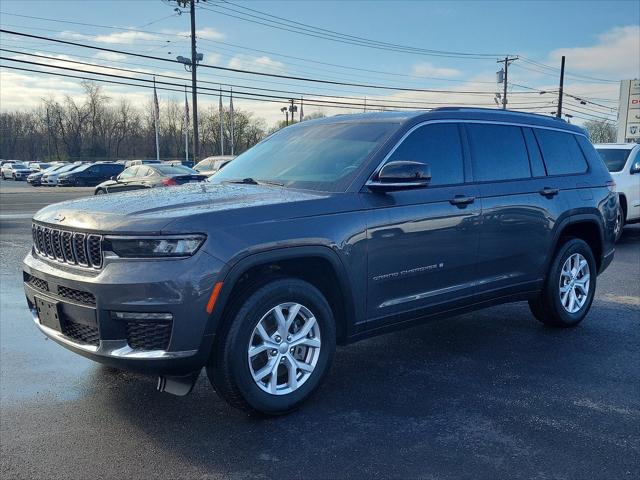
629 113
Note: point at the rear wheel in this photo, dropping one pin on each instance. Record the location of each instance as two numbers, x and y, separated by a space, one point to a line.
619 226
100 191
276 349
569 288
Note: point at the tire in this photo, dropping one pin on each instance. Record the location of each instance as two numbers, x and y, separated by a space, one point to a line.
100 191
620 221
555 309
230 369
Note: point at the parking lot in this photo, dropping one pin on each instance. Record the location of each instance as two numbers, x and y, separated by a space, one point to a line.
491 394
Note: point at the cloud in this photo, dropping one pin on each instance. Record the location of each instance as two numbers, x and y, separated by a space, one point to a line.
425 69
113 38
615 56
110 56
262 64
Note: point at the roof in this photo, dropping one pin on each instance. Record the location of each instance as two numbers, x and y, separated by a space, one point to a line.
620 146
458 113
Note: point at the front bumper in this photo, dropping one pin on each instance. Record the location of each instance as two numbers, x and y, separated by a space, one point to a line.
88 299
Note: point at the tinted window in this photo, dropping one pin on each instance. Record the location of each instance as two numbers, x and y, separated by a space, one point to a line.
561 152
438 146
614 158
174 170
498 152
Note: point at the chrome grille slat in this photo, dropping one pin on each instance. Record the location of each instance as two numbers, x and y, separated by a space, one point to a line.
66 246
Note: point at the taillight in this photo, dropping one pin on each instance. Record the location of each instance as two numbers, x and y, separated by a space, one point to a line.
169 181
611 185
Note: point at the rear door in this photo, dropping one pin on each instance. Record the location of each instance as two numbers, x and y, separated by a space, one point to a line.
520 205
125 180
422 243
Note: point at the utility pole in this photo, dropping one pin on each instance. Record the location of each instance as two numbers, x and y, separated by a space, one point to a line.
292 108
560 91
506 61
194 94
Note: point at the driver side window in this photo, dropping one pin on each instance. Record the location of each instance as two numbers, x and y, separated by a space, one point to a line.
437 145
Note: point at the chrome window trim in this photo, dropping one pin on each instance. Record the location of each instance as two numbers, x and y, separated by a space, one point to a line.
458 121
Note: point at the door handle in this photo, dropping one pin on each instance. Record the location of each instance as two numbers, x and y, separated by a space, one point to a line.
462 201
549 192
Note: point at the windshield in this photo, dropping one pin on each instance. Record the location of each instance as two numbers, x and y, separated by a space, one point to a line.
54 168
614 158
324 156
68 168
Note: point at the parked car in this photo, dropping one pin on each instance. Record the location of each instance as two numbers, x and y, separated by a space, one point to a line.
186 163
50 179
329 231
623 161
36 177
15 170
150 176
131 163
89 175
9 161
211 165
39 166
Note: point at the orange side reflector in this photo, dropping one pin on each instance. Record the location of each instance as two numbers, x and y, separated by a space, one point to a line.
214 296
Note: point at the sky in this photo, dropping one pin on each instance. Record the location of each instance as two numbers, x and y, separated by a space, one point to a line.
601 42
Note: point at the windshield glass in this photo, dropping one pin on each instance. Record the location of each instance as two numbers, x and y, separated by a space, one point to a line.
324 156
67 168
614 158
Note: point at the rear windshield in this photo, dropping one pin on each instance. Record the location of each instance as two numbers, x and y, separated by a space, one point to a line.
614 158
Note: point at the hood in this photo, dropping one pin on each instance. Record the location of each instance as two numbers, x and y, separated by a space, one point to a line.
153 209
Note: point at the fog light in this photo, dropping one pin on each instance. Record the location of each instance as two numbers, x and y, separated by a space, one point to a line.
142 316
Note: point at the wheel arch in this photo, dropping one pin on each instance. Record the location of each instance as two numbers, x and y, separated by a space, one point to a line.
318 265
587 227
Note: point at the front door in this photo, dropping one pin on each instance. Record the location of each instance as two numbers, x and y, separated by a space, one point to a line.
423 243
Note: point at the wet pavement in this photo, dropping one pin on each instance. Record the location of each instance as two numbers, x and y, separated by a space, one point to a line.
492 394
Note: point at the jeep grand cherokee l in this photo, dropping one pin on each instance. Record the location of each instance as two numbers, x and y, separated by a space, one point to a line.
327 232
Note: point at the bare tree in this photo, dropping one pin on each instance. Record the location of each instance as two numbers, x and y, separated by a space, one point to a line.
601 131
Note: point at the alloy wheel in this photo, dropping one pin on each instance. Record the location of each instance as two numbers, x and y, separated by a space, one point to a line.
574 283
284 348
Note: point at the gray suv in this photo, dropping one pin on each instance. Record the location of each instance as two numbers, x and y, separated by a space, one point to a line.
327 232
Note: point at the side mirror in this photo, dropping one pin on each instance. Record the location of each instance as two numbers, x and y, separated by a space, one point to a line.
401 175
635 168
114 177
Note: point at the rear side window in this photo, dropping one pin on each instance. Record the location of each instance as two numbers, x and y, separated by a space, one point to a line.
498 152
438 146
561 153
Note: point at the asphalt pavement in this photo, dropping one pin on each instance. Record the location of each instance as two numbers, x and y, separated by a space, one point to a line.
491 394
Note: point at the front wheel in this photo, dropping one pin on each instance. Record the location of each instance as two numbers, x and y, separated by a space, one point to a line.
100 191
276 349
569 288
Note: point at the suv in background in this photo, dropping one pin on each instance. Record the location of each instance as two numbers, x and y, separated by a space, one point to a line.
211 165
15 170
89 175
327 232
623 161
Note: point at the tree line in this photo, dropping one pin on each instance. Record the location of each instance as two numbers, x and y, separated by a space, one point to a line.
96 128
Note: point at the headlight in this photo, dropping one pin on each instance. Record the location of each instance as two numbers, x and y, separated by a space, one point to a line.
152 247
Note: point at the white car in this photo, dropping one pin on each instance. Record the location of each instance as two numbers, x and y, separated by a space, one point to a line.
211 165
51 179
16 171
623 161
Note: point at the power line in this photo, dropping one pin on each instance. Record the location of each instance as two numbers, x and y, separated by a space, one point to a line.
340 37
250 72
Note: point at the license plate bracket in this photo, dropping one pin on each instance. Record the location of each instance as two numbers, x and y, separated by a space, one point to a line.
49 313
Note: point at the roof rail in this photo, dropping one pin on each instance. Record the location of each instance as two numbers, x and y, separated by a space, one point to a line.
494 110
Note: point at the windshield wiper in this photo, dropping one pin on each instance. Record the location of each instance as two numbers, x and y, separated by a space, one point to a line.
252 181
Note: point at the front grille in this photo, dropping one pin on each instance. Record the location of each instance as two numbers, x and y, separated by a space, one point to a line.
149 335
36 282
81 333
74 248
77 296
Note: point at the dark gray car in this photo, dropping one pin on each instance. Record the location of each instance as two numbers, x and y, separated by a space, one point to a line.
327 232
